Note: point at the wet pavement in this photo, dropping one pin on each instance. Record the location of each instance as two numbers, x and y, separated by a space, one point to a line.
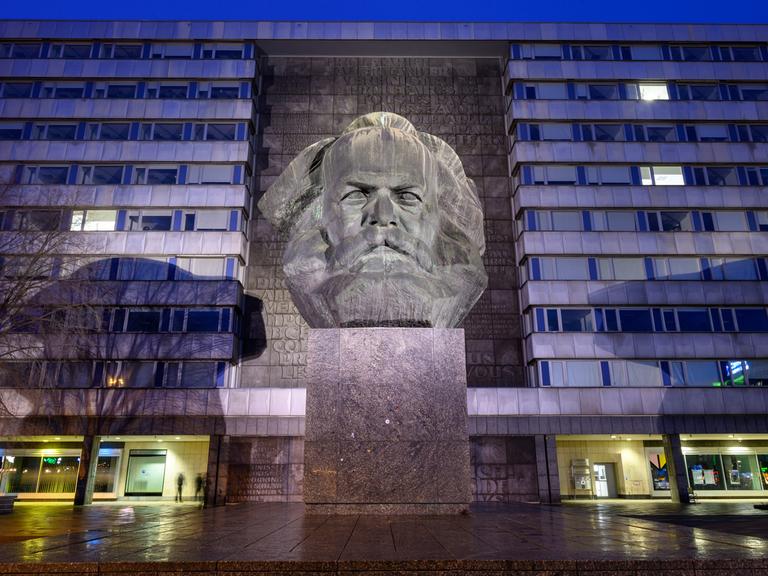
247 537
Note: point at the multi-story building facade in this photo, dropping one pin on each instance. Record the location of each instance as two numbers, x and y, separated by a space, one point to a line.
621 347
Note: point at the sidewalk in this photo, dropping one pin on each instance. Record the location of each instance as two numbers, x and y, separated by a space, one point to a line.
243 538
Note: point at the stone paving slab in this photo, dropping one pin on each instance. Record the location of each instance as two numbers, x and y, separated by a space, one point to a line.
627 540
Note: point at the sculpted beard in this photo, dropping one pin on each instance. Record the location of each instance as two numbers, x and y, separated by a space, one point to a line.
432 284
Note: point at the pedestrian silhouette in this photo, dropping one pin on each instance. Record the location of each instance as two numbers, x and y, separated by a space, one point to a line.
198 486
179 486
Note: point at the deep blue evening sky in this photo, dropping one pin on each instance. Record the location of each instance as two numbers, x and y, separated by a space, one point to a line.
468 10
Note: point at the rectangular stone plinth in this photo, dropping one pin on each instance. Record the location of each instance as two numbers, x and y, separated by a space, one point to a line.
386 421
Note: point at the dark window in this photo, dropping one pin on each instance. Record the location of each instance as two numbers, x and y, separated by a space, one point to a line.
161 176
197 374
17 90
635 320
221 132
69 92
52 174
170 92
121 91
603 92
704 92
26 51
739 269
115 131
167 132
675 221
221 92
127 51
696 320
696 53
203 321
661 134
229 54
752 319
722 176
40 220
759 133
10 133
552 322
143 321
757 92
746 53
57 132
576 320
608 132
76 51
597 53
107 175
154 222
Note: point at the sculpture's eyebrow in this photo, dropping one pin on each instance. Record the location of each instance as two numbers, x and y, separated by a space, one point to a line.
394 185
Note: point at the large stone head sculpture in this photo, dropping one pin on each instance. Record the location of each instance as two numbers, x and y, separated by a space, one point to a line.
383 228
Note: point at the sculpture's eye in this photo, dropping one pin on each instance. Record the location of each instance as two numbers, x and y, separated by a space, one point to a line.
408 197
355 196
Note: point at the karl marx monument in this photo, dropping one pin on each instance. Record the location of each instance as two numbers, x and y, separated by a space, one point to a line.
383 260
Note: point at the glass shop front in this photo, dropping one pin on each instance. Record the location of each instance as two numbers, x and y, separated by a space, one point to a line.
38 474
717 466
141 467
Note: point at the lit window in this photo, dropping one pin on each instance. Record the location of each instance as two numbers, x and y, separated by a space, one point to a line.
653 92
94 220
668 176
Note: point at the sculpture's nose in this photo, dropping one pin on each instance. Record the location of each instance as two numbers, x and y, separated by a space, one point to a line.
381 211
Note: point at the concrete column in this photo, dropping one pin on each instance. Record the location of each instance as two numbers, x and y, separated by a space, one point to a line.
678 475
218 471
546 467
86 473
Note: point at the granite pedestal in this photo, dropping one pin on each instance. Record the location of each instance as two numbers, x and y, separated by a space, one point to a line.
386 422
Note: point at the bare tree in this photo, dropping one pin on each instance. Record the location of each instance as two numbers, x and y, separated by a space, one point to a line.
45 311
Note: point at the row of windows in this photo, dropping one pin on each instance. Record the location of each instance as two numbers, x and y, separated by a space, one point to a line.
706 373
647 320
639 91
128 51
118 374
678 52
122 220
645 268
161 131
125 268
122 89
666 175
146 174
646 220
149 320
656 132
170 320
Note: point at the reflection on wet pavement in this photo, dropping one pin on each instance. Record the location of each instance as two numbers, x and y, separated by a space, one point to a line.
282 532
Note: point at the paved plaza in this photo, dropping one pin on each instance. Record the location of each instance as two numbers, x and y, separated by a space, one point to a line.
621 538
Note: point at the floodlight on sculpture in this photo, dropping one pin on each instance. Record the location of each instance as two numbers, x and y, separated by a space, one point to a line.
383 228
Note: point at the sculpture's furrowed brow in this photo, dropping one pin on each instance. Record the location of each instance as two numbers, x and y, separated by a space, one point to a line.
392 182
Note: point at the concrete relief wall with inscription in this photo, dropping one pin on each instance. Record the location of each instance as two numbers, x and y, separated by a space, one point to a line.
304 100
